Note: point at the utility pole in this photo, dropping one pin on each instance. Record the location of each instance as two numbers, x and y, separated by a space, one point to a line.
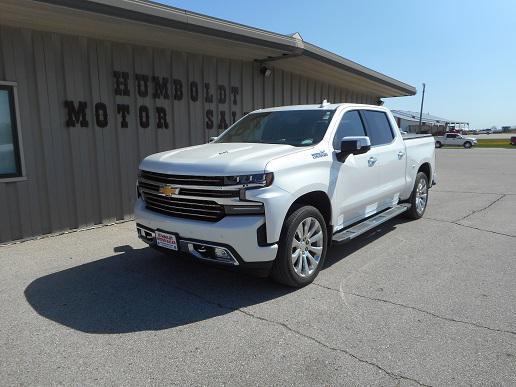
421 111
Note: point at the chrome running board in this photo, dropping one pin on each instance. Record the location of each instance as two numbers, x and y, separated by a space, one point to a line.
368 224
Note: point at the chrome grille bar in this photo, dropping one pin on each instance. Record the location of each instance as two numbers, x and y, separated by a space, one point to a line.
182 179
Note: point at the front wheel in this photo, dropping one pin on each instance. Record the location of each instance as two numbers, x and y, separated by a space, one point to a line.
302 248
438 144
419 197
467 145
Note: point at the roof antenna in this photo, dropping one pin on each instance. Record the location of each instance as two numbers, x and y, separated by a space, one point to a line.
324 103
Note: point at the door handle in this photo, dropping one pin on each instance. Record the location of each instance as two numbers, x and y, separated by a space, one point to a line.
400 155
372 161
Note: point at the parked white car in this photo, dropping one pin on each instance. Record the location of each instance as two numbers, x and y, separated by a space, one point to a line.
455 139
280 185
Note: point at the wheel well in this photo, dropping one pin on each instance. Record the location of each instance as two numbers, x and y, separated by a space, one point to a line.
317 199
425 168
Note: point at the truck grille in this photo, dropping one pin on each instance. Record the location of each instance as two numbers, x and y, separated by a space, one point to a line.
184 208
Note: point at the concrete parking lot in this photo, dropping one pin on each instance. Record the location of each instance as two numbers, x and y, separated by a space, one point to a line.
430 302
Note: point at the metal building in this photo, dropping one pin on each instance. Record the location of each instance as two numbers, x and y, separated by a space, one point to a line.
88 88
409 122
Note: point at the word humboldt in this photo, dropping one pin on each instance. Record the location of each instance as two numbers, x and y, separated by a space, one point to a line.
76 111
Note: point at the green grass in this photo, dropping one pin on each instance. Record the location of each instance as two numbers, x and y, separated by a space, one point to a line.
495 143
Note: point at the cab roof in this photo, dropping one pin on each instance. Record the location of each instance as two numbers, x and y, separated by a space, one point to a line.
329 106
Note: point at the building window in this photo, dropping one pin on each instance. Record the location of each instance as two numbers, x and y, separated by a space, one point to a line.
10 152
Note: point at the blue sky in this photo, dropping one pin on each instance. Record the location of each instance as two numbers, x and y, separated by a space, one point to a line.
465 51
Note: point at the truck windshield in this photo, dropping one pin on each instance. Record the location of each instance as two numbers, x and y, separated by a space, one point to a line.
290 127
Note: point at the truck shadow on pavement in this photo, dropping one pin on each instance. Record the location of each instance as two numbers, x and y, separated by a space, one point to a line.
140 289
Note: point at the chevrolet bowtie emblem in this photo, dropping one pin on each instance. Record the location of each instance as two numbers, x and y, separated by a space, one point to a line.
168 190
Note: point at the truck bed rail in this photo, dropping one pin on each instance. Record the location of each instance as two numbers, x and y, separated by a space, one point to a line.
413 136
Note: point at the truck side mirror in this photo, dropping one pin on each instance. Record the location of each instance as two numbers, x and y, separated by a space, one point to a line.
355 145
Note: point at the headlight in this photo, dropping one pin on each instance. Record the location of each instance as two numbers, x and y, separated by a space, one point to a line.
259 179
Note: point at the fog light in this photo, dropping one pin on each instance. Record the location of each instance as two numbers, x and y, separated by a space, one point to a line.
222 253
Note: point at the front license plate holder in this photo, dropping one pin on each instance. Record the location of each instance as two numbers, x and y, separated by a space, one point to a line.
166 240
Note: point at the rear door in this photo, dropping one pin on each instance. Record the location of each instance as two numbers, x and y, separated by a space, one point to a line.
388 157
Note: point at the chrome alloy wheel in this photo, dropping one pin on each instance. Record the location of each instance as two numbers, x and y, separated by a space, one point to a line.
307 247
421 196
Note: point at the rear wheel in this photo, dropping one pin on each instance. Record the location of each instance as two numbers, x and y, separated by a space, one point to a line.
467 145
302 248
438 144
419 197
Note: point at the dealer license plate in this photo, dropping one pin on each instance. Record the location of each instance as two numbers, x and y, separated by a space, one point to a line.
168 241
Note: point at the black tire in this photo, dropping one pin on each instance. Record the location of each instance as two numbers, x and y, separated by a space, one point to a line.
283 268
413 212
467 145
438 144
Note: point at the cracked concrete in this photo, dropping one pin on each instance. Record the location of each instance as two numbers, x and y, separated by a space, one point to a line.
469 209
480 210
472 227
431 302
450 319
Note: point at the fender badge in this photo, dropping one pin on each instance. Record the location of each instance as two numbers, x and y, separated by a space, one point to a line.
319 154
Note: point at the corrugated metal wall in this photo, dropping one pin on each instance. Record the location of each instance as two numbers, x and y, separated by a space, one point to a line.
81 176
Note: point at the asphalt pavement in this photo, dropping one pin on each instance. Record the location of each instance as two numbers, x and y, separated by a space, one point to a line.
427 302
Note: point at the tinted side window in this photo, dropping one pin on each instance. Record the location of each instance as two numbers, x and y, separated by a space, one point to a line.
350 125
378 127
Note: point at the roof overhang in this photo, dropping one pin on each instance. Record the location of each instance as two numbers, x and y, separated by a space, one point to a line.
150 24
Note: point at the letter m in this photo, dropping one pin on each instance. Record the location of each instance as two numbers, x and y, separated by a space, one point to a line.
160 87
76 115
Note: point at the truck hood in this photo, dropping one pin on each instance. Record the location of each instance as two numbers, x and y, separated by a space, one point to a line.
217 159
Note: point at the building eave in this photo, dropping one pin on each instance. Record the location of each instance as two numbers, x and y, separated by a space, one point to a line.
248 41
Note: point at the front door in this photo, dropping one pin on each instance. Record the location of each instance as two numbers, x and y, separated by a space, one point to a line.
452 139
353 183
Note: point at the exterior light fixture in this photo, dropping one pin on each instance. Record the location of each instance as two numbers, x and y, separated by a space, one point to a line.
265 71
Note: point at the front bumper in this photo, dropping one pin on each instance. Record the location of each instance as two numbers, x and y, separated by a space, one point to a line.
238 234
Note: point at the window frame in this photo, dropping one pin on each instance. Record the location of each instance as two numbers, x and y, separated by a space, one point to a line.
340 119
19 175
364 120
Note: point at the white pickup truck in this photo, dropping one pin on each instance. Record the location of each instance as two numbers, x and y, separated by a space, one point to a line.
280 185
455 139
